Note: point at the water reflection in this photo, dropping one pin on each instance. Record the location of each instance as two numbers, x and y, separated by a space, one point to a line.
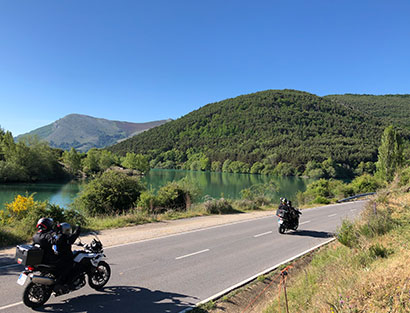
227 185
216 185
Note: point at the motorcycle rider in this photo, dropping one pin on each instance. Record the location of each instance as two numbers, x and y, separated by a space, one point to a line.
284 206
62 248
45 239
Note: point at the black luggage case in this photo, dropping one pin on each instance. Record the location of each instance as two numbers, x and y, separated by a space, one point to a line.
28 255
281 213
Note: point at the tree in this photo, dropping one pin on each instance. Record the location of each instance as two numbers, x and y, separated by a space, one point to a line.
72 160
90 163
136 162
390 157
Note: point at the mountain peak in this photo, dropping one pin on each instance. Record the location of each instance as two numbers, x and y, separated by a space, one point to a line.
84 132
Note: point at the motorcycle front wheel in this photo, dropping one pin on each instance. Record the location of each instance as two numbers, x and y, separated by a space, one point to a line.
98 278
282 229
35 295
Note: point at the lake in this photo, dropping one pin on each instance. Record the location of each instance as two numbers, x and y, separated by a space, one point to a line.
216 185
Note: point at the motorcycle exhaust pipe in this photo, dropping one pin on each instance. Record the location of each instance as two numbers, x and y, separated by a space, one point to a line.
42 280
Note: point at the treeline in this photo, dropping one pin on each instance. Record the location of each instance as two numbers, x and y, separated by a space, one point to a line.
269 132
28 160
97 161
391 109
31 160
391 162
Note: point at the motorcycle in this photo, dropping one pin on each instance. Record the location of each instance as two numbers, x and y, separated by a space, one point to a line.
288 220
42 277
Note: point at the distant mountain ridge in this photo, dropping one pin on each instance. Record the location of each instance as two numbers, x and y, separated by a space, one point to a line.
84 132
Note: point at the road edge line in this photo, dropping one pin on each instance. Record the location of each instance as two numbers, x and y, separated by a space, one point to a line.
248 280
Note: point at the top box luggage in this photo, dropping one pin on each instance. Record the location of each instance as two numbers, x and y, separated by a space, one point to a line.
28 255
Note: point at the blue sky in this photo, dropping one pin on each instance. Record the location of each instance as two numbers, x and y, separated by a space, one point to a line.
140 61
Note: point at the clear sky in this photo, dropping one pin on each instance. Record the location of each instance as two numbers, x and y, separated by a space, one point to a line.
140 61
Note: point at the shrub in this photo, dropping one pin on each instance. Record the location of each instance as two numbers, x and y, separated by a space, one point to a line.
177 195
365 183
218 206
248 205
376 223
347 234
20 217
378 251
111 193
148 201
321 200
404 178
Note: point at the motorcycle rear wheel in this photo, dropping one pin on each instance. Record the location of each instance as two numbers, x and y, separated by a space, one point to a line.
100 276
35 295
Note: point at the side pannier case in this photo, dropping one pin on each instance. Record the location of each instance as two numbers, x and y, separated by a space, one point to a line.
28 255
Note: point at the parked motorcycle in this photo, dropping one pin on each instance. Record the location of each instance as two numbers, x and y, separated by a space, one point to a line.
42 278
288 219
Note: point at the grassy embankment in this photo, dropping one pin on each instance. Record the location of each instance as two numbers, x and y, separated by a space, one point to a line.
367 269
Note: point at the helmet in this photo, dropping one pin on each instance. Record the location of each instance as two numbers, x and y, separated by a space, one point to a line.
283 200
45 224
64 228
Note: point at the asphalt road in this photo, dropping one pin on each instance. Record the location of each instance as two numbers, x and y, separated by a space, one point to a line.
172 273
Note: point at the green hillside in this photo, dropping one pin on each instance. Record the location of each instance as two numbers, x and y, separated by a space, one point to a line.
269 127
392 109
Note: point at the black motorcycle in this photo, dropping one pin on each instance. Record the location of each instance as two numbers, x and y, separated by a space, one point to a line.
288 219
42 277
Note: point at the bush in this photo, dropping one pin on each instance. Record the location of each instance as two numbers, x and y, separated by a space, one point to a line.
177 195
378 251
248 205
321 200
365 183
218 206
347 234
20 218
376 223
404 177
111 193
148 201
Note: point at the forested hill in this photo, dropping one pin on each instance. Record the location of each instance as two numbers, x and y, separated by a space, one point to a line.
393 109
270 127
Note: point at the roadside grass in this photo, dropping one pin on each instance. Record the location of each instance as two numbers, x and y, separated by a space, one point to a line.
372 275
138 217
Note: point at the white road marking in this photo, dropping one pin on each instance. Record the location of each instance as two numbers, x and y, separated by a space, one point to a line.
10 305
191 254
332 215
352 210
304 222
268 232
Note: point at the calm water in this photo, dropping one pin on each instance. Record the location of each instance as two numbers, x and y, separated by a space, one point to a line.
215 185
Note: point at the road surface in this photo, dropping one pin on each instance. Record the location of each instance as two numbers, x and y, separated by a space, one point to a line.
173 273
